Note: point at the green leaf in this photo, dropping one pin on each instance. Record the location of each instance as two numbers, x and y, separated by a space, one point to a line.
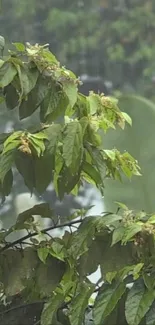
28 79
49 56
42 179
98 161
25 165
49 275
150 316
138 302
72 145
53 133
89 261
117 235
7 184
42 210
14 136
11 96
66 181
54 104
17 269
103 221
92 136
106 301
84 123
6 162
80 303
111 154
82 239
122 205
127 118
47 161
34 98
38 145
11 146
19 46
43 253
50 310
152 219
131 231
113 258
7 74
57 251
90 170
149 281
94 103
70 89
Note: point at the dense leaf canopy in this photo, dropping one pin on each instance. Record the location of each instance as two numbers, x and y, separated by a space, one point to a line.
52 272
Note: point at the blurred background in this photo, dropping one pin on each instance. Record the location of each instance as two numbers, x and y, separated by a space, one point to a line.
110 45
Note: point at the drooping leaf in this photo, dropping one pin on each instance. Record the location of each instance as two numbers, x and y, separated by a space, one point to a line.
43 168
28 79
98 161
6 187
7 74
92 135
12 272
34 98
150 316
138 302
106 301
42 209
117 235
11 96
49 56
89 261
49 312
25 165
6 162
82 239
107 220
70 89
46 163
72 145
13 144
49 275
54 104
42 253
111 154
57 250
80 303
90 170
94 103
53 133
127 118
66 181
14 136
37 145
130 231
113 258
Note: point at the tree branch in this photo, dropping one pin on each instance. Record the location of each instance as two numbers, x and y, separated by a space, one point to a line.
21 306
44 231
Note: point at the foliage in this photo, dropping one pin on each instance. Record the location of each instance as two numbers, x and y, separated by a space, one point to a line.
52 272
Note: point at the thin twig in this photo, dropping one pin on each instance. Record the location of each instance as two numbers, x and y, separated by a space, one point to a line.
21 306
44 231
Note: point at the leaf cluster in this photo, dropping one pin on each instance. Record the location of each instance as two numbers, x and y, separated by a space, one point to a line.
66 147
